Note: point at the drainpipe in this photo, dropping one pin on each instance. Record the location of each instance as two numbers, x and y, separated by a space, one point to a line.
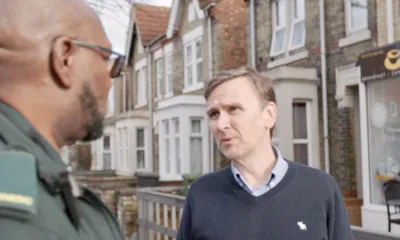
252 35
210 74
150 105
324 88
389 21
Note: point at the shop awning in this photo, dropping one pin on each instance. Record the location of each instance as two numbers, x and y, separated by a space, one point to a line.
379 63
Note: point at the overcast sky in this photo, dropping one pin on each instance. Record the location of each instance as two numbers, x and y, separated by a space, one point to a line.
114 15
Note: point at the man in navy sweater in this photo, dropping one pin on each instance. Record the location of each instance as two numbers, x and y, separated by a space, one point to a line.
261 195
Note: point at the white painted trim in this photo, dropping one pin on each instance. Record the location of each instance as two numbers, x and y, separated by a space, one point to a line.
346 76
349 30
364 143
172 18
141 63
183 107
193 35
275 29
287 72
354 38
181 100
288 59
389 21
158 54
199 12
295 21
168 48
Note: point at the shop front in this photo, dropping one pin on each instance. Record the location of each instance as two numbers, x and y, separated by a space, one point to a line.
379 101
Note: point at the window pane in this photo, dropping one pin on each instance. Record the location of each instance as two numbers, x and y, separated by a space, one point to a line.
299 32
300 153
359 12
280 13
199 50
189 72
140 137
189 54
299 9
196 154
199 72
169 82
106 143
299 121
106 161
279 40
176 126
140 159
196 126
178 155
383 133
166 127
167 156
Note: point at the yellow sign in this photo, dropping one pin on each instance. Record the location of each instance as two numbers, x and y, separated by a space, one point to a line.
16 198
392 60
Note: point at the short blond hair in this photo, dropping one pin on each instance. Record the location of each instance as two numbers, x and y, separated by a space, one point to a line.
262 85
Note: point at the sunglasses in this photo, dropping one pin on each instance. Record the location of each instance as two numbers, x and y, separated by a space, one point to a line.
115 61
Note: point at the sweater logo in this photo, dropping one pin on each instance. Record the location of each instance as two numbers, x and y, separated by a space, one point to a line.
302 226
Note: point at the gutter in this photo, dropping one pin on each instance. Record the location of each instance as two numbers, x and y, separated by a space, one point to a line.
389 21
252 35
210 74
324 84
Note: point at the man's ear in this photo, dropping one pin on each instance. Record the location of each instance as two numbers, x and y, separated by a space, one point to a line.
270 113
61 59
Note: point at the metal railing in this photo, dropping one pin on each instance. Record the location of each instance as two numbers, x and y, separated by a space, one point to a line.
159 212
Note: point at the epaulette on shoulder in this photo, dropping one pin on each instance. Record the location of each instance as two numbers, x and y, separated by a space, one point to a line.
18 184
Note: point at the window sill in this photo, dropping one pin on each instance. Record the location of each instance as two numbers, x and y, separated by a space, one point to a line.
140 105
193 88
168 95
288 59
170 178
354 38
158 98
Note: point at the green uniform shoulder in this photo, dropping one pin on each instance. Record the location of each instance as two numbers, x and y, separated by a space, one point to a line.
18 185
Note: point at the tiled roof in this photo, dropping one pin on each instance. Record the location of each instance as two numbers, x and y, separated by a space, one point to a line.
204 3
152 21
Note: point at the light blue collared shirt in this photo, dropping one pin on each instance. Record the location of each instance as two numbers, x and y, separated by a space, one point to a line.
277 174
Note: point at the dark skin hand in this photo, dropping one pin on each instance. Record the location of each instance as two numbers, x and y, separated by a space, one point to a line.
61 88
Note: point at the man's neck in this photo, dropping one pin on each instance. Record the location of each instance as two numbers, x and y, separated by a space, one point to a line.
42 124
257 167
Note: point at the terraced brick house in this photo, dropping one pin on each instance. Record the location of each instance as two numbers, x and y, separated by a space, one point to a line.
177 49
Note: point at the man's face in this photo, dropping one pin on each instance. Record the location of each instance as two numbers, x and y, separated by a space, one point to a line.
237 119
95 85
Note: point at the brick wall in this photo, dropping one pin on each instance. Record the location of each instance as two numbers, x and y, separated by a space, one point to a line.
342 158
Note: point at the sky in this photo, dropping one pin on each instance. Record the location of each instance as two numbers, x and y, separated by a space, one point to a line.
114 15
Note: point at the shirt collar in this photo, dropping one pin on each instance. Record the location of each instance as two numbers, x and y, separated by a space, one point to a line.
278 172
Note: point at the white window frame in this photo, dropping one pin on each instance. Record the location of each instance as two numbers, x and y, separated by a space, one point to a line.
176 157
195 61
159 76
111 100
196 135
141 87
123 147
124 90
348 18
138 148
308 140
166 158
190 39
287 26
107 151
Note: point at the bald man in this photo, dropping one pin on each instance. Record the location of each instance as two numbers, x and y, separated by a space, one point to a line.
56 68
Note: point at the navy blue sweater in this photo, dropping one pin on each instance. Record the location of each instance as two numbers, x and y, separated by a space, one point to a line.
306 205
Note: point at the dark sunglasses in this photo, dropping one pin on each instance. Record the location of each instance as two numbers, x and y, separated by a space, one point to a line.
115 60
